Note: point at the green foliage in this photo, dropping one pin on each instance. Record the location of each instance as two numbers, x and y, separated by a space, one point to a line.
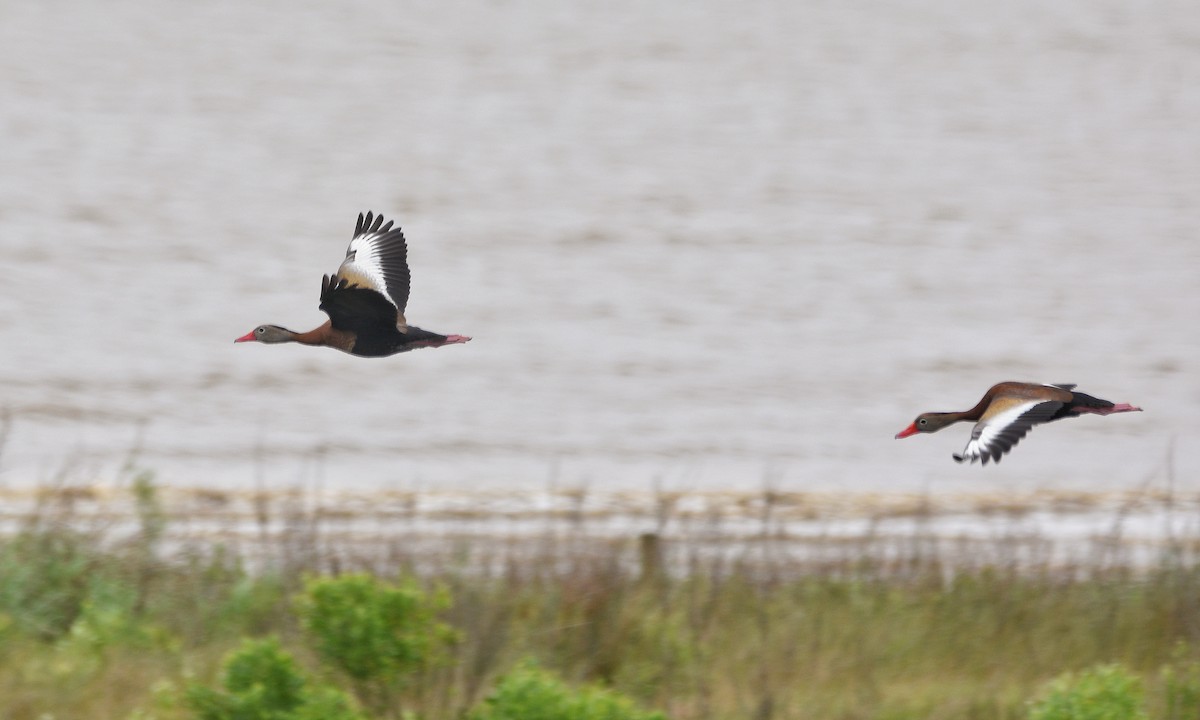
108 617
261 682
44 581
1181 686
89 626
379 634
1105 692
215 597
372 630
529 693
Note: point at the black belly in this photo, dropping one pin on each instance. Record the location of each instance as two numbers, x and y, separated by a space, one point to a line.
391 341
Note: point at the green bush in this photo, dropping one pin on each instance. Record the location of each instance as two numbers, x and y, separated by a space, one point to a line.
529 693
379 634
371 629
261 682
1106 692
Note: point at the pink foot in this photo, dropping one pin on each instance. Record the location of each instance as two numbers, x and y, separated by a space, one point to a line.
1118 408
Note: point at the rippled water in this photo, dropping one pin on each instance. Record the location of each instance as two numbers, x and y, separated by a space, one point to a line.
704 245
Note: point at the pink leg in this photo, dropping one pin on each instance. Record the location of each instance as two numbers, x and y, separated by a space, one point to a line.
1118 408
450 340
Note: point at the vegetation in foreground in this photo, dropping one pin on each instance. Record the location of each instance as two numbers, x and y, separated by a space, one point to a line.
97 628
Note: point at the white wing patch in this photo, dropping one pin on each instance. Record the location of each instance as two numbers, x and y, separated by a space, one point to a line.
377 259
997 435
362 265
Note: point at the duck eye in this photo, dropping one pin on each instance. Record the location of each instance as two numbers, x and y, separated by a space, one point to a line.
922 422
260 330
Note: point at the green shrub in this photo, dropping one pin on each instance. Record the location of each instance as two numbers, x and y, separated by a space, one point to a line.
261 682
1105 692
529 693
377 633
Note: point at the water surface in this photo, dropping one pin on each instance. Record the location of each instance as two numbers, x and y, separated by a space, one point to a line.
706 247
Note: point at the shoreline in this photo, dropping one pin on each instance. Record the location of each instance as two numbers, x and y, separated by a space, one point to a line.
789 531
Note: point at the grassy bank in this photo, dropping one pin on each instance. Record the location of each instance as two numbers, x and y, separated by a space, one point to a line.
107 621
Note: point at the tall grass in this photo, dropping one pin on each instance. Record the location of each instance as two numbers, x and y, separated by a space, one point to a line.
107 616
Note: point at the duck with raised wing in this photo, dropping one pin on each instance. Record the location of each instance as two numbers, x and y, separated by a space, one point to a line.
365 300
1007 412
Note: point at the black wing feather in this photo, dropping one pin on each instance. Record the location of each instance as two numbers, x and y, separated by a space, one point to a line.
1010 435
357 309
392 253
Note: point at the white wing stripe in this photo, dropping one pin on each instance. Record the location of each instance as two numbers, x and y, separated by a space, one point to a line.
362 265
379 261
1006 425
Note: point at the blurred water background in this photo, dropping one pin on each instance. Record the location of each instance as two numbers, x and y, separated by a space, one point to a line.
702 247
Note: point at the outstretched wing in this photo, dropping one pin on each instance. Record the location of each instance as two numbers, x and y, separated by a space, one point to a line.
357 309
995 435
377 260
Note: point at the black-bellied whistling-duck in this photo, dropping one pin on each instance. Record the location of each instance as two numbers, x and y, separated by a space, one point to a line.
1008 411
365 300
